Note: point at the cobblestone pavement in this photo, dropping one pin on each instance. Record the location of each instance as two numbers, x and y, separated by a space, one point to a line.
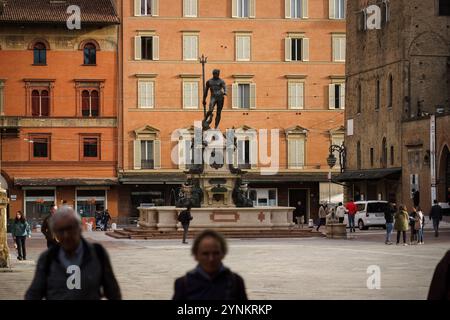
272 268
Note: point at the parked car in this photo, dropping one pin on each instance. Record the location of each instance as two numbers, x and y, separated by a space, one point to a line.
370 214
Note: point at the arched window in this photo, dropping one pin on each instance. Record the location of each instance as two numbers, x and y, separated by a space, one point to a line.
90 53
390 91
90 103
40 53
384 154
40 103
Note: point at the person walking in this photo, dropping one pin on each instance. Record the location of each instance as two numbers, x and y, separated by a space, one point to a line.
45 229
106 217
20 230
436 216
389 217
299 214
340 212
74 269
418 225
210 280
185 218
352 209
401 224
412 223
322 216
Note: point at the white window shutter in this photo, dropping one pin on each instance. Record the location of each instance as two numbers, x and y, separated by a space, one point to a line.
194 47
252 95
301 152
342 97
343 48
157 153
186 4
332 9
335 46
137 154
155 8
252 9
253 152
155 47
287 49
235 95
181 154
137 48
186 88
194 8
141 94
331 97
291 153
186 48
305 49
150 94
234 9
194 90
305 9
287 9
301 95
137 7
248 47
291 94
238 48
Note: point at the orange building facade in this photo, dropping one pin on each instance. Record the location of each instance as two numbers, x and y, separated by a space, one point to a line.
59 105
283 62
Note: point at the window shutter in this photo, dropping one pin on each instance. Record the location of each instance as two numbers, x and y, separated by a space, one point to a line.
331 97
155 8
137 48
287 9
305 49
305 9
155 47
291 93
194 90
253 152
287 49
248 47
137 7
234 94
137 154
181 154
301 95
157 153
291 153
342 48
194 8
234 11
252 9
301 152
141 94
186 7
238 48
335 49
194 47
342 97
186 88
252 96
332 9
186 48
241 151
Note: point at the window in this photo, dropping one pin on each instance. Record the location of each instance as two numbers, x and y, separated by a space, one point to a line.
296 152
38 203
146 94
392 155
190 95
146 48
358 155
190 47
40 147
40 103
336 96
246 148
243 8
377 95
243 45
295 95
2 85
89 103
243 151
296 9
91 148
338 48
146 7
384 153
147 153
296 49
244 95
264 197
190 8
444 7
39 54
90 201
337 9
359 92
390 91
371 157
90 54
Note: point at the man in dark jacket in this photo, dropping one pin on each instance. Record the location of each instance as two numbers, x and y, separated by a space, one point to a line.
389 217
185 218
74 269
299 214
436 215
440 284
45 229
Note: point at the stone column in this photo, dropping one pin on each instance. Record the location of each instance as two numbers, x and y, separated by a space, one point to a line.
4 251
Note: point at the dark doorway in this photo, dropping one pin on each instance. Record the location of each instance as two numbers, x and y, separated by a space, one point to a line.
299 195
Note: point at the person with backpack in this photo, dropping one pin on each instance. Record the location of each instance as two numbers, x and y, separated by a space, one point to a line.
185 218
210 280
20 230
74 269
418 225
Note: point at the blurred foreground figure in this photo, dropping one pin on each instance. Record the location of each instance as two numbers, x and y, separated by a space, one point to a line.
73 269
440 284
210 280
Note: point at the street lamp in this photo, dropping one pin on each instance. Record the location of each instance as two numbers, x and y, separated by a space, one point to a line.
331 161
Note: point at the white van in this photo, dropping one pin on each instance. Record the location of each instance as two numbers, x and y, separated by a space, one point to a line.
369 214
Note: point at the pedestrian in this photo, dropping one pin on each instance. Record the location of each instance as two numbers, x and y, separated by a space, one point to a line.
401 224
412 223
418 225
436 216
210 280
322 216
352 209
106 217
389 217
340 212
416 197
185 218
440 284
20 230
74 269
45 229
299 214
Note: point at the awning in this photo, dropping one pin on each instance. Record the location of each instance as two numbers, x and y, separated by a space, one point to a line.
153 178
65 182
288 177
371 174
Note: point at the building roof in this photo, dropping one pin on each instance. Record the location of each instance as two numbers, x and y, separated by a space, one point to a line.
371 174
55 12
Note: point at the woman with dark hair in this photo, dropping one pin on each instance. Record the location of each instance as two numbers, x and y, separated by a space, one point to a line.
19 231
210 280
